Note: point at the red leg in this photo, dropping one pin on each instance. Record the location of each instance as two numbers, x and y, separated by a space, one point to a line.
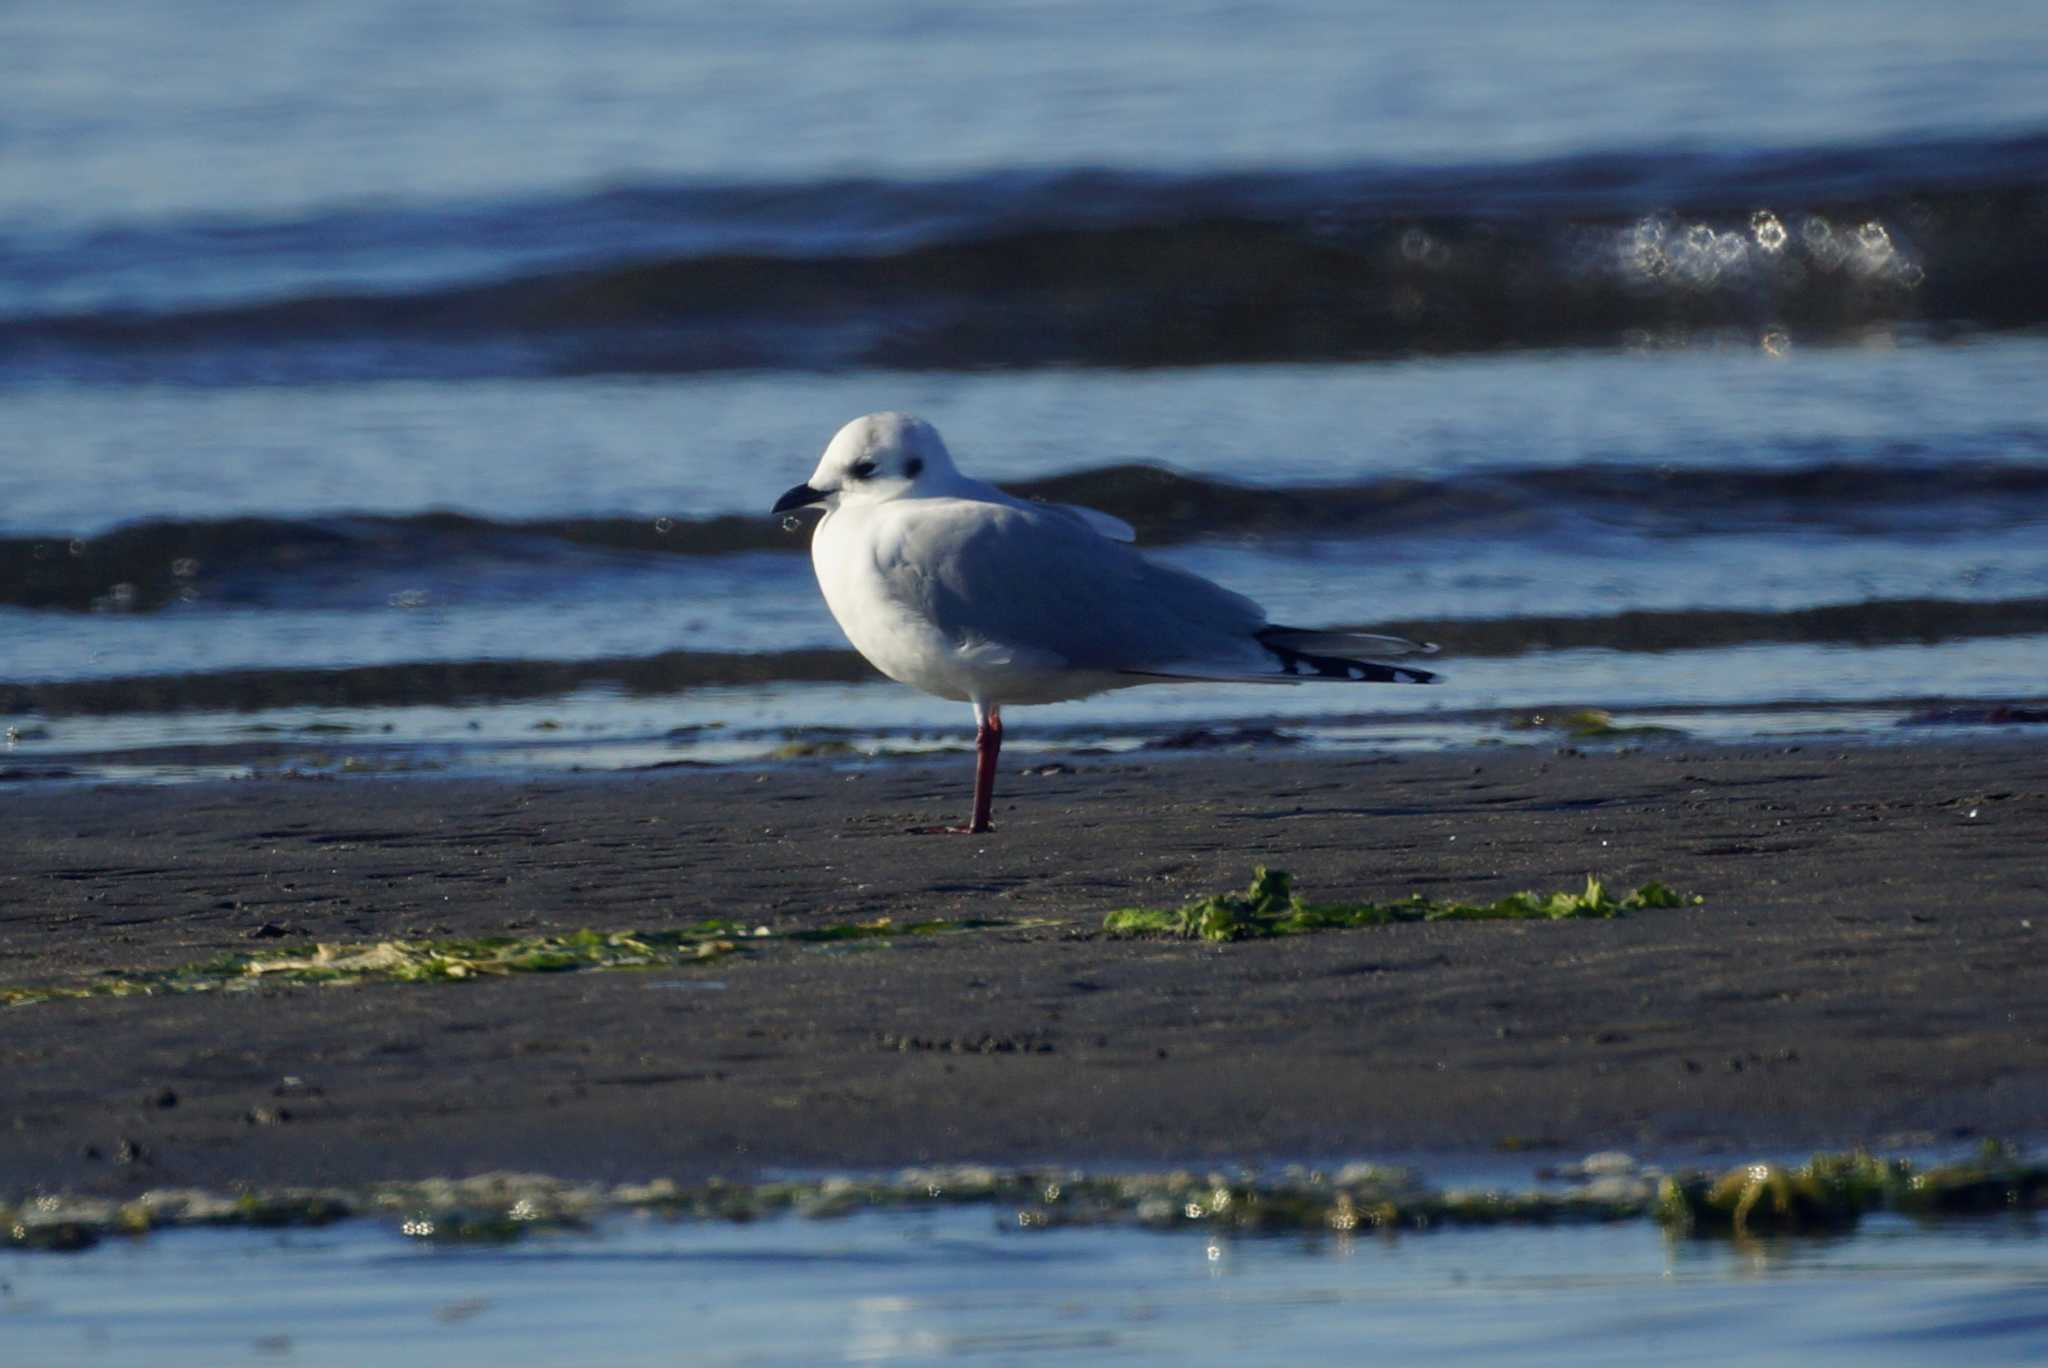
988 743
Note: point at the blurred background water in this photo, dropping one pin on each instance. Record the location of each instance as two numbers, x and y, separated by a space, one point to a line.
955 1285
401 385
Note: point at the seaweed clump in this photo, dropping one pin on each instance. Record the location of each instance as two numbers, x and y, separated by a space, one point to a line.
404 961
1270 907
470 959
1596 724
1826 1195
1831 1192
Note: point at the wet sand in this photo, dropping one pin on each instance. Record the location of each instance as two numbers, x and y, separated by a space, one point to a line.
1867 967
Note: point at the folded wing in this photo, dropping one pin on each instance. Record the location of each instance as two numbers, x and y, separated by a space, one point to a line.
1036 583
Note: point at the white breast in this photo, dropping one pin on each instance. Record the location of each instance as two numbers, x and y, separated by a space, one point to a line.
880 566
849 560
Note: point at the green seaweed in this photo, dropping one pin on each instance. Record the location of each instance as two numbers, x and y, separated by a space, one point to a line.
467 959
51 1237
1270 907
485 1226
801 749
1597 724
277 1211
1826 1195
1763 1198
1593 724
23 996
1833 1191
406 961
1997 1180
483 956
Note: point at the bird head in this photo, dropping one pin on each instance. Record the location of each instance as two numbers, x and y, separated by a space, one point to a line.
874 459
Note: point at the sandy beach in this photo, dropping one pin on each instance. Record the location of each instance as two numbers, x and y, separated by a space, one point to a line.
1865 967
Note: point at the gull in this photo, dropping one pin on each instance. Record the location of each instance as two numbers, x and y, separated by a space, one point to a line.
951 586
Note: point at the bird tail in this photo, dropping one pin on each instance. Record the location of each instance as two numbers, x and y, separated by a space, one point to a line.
1342 655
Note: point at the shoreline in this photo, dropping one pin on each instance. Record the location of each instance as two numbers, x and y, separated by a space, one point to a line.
1826 1194
593 736
1863 971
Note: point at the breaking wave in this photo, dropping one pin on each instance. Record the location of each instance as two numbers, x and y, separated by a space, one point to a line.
254 561
1072 267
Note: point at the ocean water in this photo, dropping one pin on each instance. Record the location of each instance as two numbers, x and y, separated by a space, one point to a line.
398 387
955 1285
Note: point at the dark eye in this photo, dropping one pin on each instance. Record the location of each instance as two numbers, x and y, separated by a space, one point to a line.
914 467
863 469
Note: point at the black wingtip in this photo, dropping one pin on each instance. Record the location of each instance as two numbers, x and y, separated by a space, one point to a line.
1309 665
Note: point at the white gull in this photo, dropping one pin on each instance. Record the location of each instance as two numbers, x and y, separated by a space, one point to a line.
951 586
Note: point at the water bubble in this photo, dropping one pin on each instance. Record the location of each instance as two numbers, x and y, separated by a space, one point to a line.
184 567
1874 252
1702 254
1770 234
1642 248
1821 243
1776 343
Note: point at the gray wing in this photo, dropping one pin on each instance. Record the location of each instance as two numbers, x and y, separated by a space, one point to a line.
1322 641
1039 581
1101 523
